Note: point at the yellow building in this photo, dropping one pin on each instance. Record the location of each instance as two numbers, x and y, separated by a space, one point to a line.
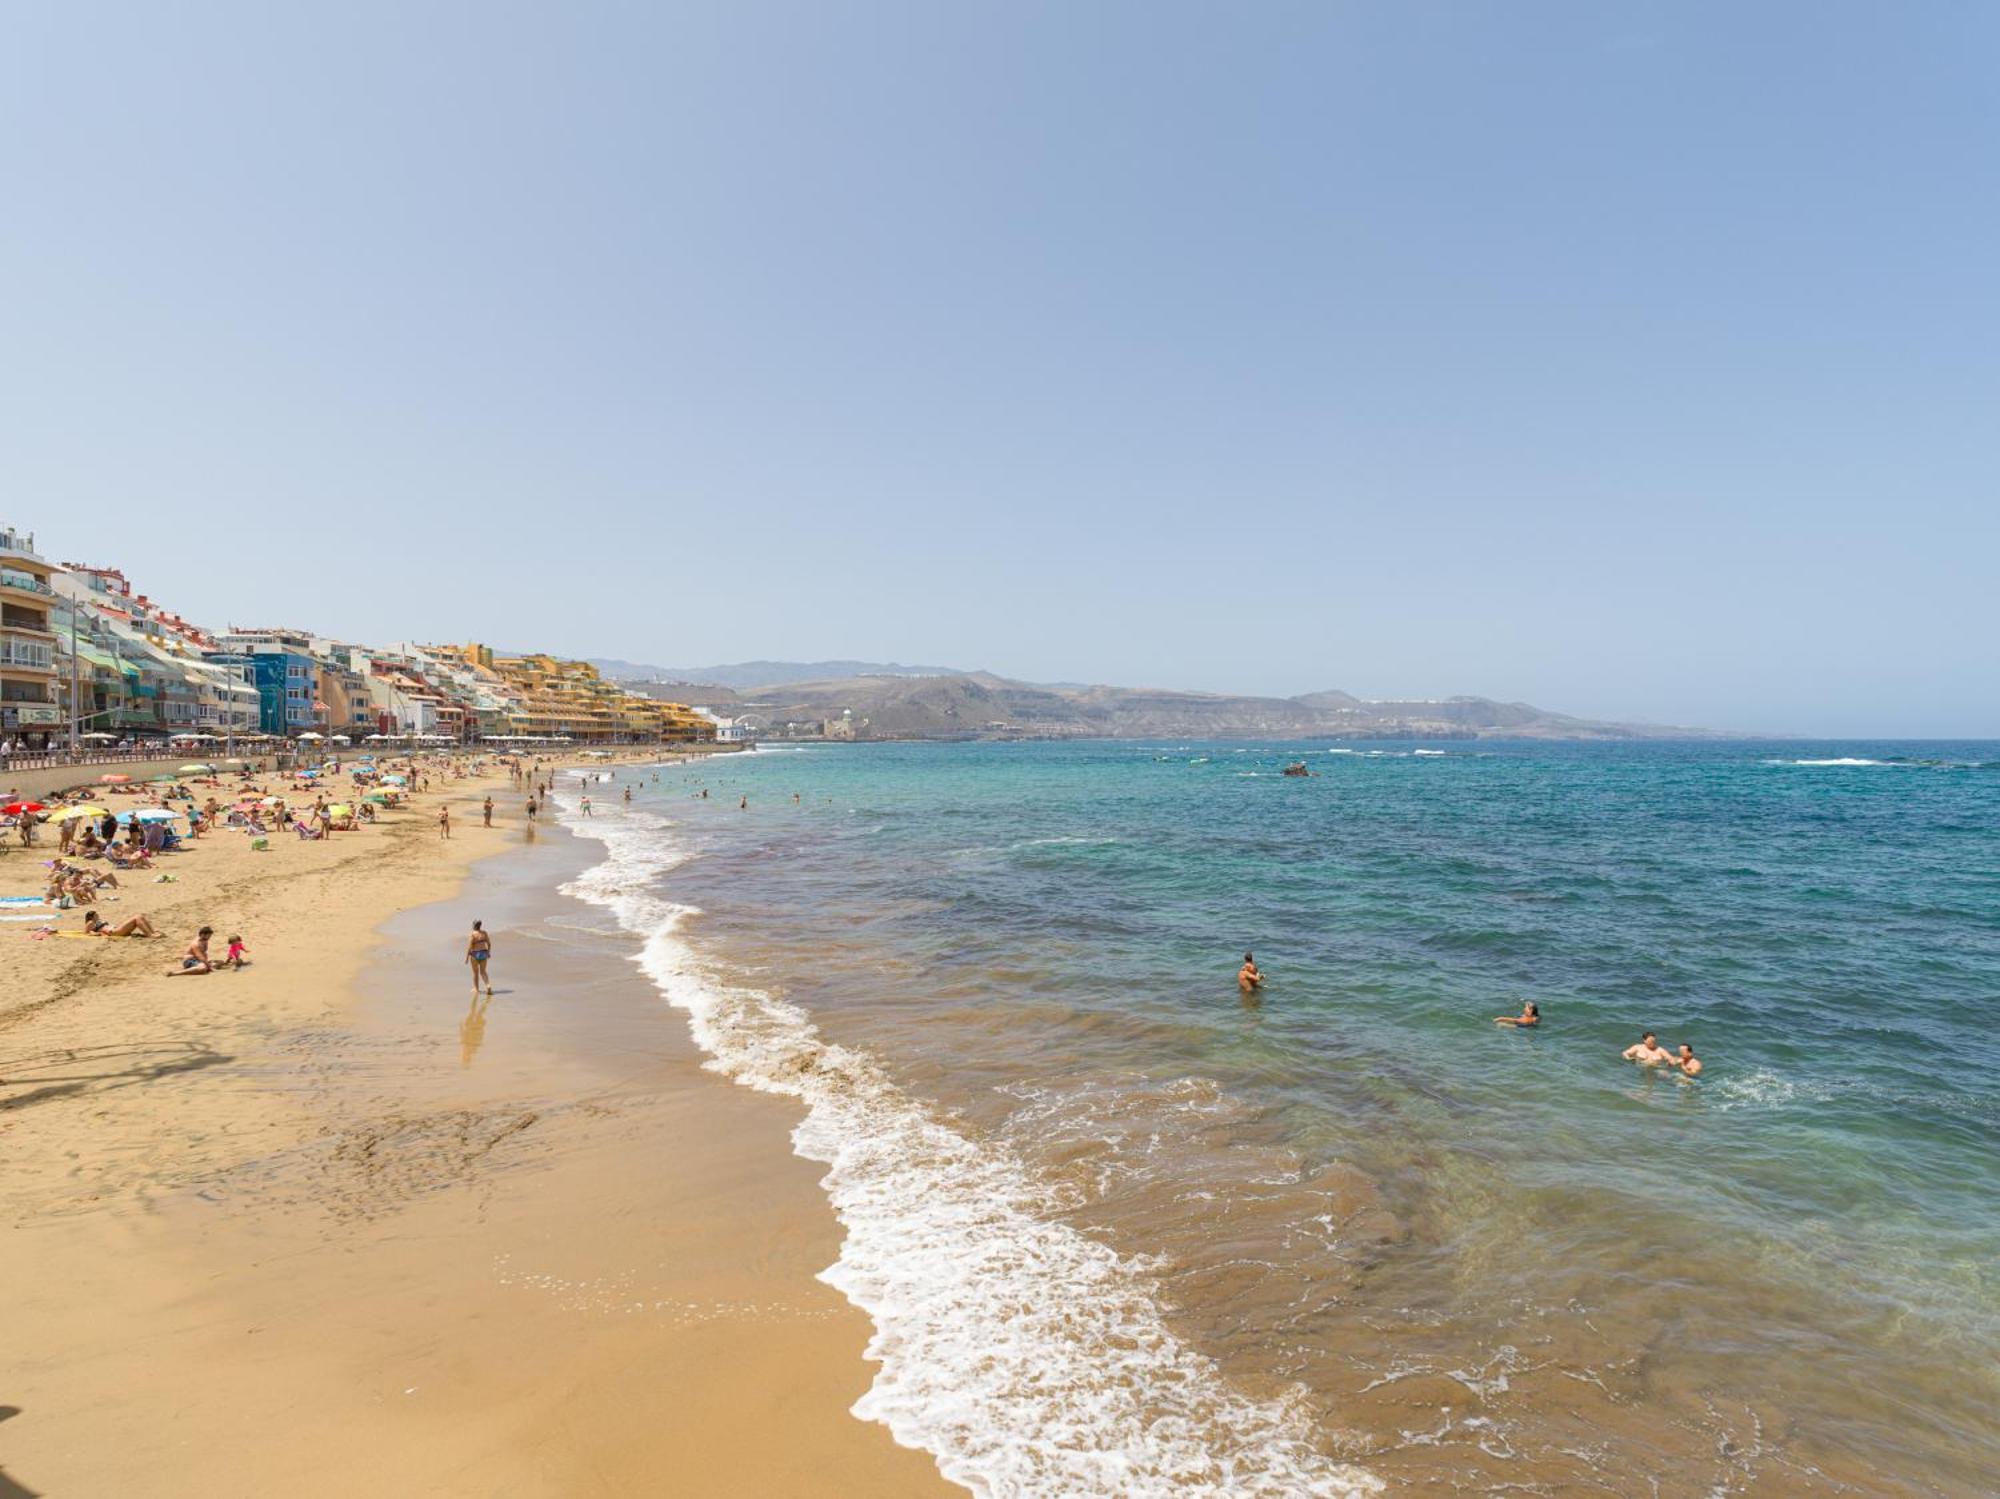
29 712
551 697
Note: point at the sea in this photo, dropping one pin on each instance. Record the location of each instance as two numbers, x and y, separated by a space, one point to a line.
1124 1230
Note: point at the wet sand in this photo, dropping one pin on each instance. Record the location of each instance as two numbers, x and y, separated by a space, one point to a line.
323 1226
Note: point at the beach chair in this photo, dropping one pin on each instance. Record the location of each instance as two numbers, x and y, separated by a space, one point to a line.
306 831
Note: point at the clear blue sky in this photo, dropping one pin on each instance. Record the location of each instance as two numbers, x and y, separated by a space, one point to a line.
1635 360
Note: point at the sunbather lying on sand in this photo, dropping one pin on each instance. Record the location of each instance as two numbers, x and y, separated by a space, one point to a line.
136 926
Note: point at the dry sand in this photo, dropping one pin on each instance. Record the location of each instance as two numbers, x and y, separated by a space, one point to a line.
323 1227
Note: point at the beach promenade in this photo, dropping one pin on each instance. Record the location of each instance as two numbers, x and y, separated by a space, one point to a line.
326 1225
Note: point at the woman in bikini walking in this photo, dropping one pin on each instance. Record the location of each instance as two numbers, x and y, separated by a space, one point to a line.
478 948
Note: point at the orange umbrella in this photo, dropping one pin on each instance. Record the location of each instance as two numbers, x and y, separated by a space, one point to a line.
113 780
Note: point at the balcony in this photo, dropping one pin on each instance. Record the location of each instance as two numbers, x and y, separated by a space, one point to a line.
24 655
22 582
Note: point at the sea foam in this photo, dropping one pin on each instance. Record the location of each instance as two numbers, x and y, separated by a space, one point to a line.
1026 1357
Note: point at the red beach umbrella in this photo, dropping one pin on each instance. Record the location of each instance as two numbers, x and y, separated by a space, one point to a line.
15 809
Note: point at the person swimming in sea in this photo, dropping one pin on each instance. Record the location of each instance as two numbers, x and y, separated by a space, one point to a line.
1648 1051
1687 1061
1249 978
1531 1014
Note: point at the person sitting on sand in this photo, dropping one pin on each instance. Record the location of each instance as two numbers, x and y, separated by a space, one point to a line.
72 887
195 959
136 926
126 855
1687 1061
1530 1015
1249 976
1648 1051
236 952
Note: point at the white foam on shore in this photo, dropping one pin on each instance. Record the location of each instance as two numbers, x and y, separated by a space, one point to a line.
1844 761
1027 1358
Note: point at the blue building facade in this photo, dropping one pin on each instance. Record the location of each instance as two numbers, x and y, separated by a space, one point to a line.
285 687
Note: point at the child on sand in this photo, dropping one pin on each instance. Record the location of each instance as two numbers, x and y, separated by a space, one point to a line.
236 952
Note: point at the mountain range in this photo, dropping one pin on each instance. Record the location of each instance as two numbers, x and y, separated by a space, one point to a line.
766 673
910 702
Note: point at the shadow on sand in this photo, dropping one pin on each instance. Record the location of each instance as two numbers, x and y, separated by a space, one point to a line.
97 1069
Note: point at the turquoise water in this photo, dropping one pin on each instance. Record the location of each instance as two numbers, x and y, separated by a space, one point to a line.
1486 1257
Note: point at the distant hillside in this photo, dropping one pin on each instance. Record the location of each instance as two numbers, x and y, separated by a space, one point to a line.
752 674
978 705
723 700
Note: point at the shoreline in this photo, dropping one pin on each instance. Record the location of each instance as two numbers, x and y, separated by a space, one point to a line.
328 1232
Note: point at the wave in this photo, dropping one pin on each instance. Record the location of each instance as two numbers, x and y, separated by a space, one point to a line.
1024 1356
1905 762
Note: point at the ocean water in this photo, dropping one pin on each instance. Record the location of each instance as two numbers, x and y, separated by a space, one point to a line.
1122 1232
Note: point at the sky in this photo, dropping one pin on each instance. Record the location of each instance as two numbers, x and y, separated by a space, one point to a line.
1638 361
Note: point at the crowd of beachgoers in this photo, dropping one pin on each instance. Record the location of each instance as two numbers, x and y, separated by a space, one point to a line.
101 842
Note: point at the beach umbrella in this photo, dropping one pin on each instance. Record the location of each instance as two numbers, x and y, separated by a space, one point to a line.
82 809
15 809
147 814
311 736
114 780
339 809
396 780
197 770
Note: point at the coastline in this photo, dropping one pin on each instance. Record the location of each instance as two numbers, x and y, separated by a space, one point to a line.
315 1225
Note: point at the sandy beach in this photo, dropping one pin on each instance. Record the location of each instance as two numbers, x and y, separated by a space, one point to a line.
324 1225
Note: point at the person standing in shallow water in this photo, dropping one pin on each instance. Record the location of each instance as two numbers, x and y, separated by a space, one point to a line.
1647 1051
1249 978
478 950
